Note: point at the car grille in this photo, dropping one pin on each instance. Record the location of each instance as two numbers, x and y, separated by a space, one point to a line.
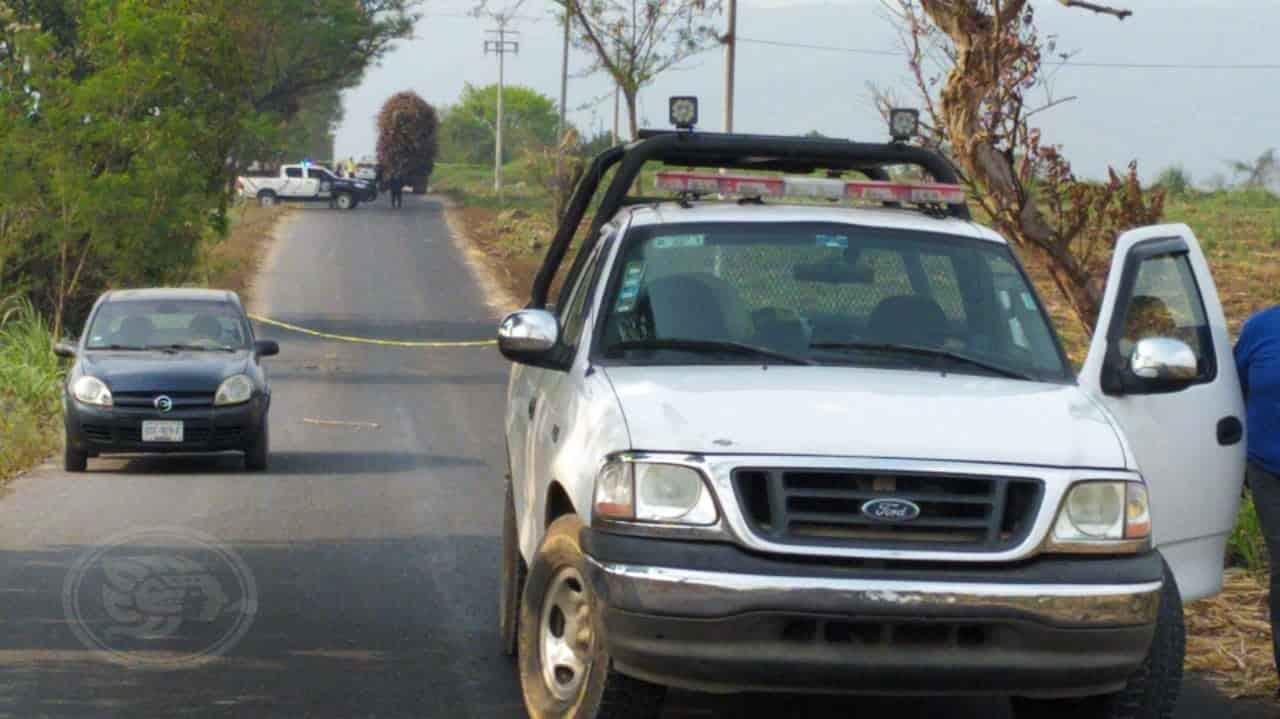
181 400
824 508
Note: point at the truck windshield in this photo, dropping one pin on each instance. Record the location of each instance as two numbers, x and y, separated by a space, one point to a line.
828 294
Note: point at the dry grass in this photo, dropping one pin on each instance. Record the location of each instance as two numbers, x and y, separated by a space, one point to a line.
512 241
1229 638
230 263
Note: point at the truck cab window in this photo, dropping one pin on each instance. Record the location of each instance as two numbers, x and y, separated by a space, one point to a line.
293 172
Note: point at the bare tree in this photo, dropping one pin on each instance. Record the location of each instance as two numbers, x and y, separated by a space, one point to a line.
979 69
634 41
1260 172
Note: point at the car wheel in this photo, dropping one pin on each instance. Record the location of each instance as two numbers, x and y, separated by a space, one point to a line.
255 457
74 460
1152 691
565 673
345 201
511 581
266 199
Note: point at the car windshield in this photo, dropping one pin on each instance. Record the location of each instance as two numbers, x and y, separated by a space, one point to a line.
826 294
184 324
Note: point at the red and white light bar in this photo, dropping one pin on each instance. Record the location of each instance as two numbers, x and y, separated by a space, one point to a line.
930 193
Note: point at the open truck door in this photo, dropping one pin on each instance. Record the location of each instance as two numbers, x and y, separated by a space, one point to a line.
1161 363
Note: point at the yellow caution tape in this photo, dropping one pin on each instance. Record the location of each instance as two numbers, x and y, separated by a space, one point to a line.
370 340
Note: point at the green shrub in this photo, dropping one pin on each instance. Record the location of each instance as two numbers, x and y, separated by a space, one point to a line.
1247 548
30 381
1174 180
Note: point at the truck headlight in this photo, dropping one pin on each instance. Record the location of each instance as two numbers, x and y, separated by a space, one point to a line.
1098 511
651 492
234 390
91 390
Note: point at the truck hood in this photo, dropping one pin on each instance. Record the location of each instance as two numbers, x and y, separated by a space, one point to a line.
842 411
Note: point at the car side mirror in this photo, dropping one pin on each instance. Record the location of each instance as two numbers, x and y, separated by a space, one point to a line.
266 348
1161 364
64 349
530 337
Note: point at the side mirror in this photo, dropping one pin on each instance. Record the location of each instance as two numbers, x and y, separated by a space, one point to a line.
530 337
1163 363
266 348
64 349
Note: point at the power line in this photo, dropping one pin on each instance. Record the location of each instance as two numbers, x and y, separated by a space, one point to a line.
1067 63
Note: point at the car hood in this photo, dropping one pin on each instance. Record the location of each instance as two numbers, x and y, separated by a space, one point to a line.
843 411
172 372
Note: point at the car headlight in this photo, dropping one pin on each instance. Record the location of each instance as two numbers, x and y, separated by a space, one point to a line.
1101 511
650 492
234 390
91 390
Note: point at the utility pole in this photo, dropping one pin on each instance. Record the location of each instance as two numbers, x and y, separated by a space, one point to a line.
500 46
730 56
564 72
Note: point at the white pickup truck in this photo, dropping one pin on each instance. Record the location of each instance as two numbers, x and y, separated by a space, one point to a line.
308 183
761 445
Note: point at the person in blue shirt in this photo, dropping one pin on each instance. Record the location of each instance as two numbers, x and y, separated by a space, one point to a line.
1258 361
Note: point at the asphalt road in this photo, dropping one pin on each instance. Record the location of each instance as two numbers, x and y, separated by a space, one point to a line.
371 544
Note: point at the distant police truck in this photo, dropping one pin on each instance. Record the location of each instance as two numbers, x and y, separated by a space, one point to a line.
308 183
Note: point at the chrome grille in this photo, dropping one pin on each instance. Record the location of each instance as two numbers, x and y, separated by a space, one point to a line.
824 507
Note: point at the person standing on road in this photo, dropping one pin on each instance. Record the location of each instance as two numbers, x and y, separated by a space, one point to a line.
397 191
1257 356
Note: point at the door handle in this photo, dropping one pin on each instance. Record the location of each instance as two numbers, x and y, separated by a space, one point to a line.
1230 431
533 405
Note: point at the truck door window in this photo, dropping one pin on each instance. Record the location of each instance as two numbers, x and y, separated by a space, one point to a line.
294 172
1165 302
574 314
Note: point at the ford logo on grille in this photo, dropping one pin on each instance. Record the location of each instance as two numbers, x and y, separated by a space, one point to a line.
891 510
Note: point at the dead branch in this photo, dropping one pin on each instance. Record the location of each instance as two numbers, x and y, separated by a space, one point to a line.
1118 13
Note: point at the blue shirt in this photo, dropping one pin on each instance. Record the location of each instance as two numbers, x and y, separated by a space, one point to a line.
1258 361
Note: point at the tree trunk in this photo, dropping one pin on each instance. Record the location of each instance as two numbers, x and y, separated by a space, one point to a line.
633 125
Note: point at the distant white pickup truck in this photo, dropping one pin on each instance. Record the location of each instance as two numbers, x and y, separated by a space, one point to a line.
298 183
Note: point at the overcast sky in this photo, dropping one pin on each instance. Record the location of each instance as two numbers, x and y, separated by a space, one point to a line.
1195 117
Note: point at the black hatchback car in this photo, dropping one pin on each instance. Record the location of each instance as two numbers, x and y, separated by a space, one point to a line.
167 370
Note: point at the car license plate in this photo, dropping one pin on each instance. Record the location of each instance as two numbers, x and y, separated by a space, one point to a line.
161 431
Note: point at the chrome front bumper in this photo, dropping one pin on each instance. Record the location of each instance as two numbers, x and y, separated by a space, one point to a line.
691 593
716 618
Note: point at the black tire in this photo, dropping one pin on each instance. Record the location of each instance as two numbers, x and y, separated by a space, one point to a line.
603 693
511 582
74 460
256 454
345 201
1152 691
267 198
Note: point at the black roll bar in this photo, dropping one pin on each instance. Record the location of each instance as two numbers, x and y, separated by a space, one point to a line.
795 155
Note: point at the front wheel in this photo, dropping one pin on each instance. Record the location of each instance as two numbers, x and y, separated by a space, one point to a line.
565 672
345 201
1152 691
255 456
74 460
511 581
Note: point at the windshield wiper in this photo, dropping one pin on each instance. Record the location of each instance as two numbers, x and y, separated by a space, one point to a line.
708 346
118 348
179 347
927 352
